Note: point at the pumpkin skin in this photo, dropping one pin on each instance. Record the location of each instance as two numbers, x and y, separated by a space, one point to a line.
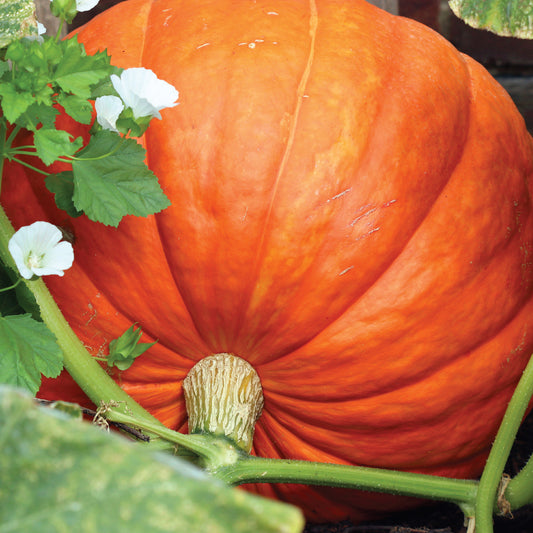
350 213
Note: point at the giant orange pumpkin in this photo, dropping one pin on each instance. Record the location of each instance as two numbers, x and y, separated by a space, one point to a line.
350 213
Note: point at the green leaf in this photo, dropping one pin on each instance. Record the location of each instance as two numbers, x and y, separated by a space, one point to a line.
31 61
59 474
105 86
124 350
14 103
77 107
62 185
78 72
9 304
510 18
127 123
18 301
4 68
38 114
51 144
28 350
111 180
64 9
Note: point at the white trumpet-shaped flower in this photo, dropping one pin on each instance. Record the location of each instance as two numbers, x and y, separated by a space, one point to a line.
108 109
37 250
143 92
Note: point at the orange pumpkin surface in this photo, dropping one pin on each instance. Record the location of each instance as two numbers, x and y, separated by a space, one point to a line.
350 213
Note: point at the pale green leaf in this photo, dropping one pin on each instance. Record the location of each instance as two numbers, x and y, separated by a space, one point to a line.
17 19
60 475
125 349
510 18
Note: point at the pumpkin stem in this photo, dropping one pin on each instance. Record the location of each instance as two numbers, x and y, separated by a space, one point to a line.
223 396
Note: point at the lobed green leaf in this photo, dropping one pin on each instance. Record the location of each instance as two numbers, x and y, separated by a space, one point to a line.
14 103
80 109
111 180
28 350
51 144
78 72
62 185
38 114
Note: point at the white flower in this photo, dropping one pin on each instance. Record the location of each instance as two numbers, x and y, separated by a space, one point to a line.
108 109
85 5
36 250
144 92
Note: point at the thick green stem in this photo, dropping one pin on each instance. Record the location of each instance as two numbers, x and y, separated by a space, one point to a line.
229 463
520 490
259 470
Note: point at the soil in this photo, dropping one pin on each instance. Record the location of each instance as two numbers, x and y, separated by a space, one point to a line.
447 518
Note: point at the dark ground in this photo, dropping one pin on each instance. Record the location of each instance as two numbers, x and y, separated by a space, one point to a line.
447 518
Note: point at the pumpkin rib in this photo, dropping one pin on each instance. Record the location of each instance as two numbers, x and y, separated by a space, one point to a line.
429 373
300 95
129 317
169 410
292 443
193 309
289 349
407 382
373 447
145 56
144 60
510 316
187 308
384 424
313 268
306 442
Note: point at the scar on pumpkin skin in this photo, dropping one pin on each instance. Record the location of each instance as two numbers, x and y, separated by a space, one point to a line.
94 313
346 270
